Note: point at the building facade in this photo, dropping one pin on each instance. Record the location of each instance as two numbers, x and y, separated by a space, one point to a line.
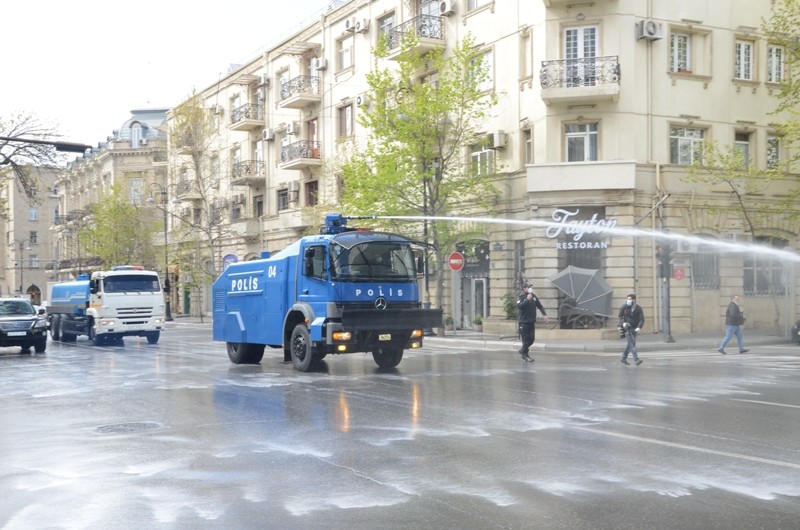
603 107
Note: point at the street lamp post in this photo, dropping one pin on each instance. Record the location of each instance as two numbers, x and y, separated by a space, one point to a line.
151 200
22 250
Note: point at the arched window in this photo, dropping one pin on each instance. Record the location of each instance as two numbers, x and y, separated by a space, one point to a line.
136 135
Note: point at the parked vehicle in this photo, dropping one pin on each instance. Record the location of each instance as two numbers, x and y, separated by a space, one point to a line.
22 325
796 332
109 305
342 291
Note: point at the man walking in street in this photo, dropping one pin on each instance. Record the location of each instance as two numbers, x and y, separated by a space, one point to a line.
734 318
527 305
631 320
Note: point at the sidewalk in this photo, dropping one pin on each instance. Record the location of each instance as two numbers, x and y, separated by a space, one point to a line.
646 341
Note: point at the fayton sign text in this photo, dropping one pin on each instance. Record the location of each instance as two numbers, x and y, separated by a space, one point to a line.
567 223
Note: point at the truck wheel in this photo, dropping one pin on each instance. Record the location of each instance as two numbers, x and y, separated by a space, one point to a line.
98 340
152 337
388 357
243 353
300 348
40 346
55 328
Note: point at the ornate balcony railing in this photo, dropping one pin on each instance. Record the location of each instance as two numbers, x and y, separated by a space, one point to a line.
302 84
248 111
425 26
593 71
301 149
249 168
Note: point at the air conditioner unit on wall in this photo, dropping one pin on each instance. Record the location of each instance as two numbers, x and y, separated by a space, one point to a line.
649 29
362 100
362 26
260 95
320 63
447 8
497 140
292 127
294 185
269 135
265 81
350 24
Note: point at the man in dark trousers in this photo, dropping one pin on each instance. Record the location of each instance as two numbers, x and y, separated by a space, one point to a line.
631 320
526 314
734 318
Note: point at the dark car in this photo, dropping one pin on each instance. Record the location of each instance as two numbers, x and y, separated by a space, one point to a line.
22 325
796 332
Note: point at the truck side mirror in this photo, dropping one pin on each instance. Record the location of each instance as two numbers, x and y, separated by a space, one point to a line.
420 265
308 262
93 286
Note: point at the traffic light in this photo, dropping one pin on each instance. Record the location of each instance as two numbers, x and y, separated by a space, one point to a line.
663 258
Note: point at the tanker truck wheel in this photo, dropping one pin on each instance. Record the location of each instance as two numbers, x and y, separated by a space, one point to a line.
243 353
55 328
97 340
388 357
300 348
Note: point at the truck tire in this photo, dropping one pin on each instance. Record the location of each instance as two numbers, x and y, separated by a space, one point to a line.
300 348
388 357
55 328
152 337
243 353
97 340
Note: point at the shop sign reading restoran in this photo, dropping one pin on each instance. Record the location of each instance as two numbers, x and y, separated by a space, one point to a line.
566 223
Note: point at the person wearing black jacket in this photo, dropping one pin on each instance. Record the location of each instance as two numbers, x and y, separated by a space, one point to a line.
631 320
527 305
734 318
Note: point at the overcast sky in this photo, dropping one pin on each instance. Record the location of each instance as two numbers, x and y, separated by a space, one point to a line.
82 66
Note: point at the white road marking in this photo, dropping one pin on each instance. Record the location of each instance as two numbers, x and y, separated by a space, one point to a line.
768 403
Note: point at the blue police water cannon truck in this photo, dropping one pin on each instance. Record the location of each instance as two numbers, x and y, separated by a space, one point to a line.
345 290
107 306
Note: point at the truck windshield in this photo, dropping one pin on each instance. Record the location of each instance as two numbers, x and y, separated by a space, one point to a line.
373 260
126 283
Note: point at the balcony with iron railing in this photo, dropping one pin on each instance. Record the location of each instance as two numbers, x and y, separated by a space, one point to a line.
301 155
248 173
247 117
300 91
428 29
580 81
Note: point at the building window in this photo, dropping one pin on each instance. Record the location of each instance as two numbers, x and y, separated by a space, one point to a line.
741 145
33 261
385 25
763 273
527 145
345 121
705 268
214 171
680 52
472 5
580 51
344 52
136 135
775 55
483 71
258 206
312 193
744 60
135 190
773 151
685 145
283 199
33 237
581 142
482 160
33 213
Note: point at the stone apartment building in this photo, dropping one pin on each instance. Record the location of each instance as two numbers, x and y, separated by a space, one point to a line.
602 109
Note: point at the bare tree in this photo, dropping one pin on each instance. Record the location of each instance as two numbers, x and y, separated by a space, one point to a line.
25 144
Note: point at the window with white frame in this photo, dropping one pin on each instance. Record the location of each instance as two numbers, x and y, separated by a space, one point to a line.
685 145
344 52
385 24
283 199
33 261
581 142
135 190
773 151
741 145
482 159
680 52
482 71
345 119
33 213
136 135
744 59
472 5
763 273
775 57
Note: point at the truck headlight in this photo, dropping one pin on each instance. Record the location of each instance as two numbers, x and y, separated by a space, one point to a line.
158 321
108 323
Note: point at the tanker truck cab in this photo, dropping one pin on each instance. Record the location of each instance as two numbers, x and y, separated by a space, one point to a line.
343 291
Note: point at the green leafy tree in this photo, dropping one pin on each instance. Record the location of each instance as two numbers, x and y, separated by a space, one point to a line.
427 115
120 233
783 29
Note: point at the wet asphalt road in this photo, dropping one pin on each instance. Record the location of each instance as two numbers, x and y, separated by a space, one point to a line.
175 436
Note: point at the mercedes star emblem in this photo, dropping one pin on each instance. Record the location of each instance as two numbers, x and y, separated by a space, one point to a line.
381 303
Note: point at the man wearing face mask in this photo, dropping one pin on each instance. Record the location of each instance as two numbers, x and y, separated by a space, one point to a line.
631 320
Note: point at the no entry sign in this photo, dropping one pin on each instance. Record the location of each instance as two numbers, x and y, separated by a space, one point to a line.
456 261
